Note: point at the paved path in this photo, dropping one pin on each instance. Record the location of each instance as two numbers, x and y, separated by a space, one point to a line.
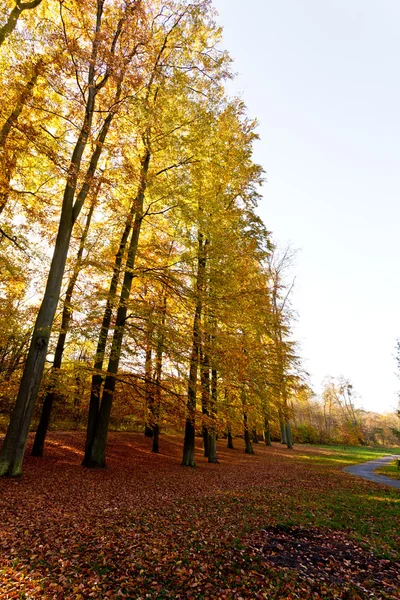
366 471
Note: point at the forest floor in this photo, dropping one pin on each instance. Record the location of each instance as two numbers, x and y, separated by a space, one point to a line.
280 524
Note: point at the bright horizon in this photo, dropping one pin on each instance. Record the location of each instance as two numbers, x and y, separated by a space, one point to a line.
321 79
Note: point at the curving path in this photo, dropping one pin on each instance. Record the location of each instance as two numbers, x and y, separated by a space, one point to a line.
366 471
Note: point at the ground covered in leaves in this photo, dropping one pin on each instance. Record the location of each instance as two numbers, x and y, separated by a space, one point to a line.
280 524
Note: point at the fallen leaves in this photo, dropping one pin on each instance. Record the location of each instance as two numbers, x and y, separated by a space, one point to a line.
148 528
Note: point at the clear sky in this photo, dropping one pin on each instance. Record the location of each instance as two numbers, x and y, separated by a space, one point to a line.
322 77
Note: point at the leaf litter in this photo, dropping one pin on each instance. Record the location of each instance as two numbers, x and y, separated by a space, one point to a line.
148 528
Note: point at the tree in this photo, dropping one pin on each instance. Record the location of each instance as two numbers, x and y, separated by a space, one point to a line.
100 69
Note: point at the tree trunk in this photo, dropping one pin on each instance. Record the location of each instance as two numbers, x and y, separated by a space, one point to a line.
255 436
41 432
157 390
97 378
148 381
212 456
283 432
289 437
205 394
267 432
230 440
95 453
189 439
17 433
248 447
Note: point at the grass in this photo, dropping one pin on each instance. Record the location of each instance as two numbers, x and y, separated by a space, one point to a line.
390 470
348 455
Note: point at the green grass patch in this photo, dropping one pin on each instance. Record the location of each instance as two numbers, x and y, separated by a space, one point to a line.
390 470
347 455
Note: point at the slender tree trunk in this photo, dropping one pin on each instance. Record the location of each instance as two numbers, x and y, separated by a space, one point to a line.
212 456
289 437
230 439
148 379
283 431
13 17
41 432
189 439
97 378
267 432
205 394
157 390
95 453
16 437
255 436
248 446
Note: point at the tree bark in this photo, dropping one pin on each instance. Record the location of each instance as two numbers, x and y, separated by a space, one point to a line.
17 433
212 455
248 446
283 432
97 378
230 440
289 437
267 432
41 432
189 439
148 381
205 394
95 453
157 388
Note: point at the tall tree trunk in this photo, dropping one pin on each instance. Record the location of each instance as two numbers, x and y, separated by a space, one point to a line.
230 439
14 15
255 436
189 439
95 453
267 432
41 432
97 378
212 456
205 393
148 381
289 436
283 431
248 446
157 389
17 433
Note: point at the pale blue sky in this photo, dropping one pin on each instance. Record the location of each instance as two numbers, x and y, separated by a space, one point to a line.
322 77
